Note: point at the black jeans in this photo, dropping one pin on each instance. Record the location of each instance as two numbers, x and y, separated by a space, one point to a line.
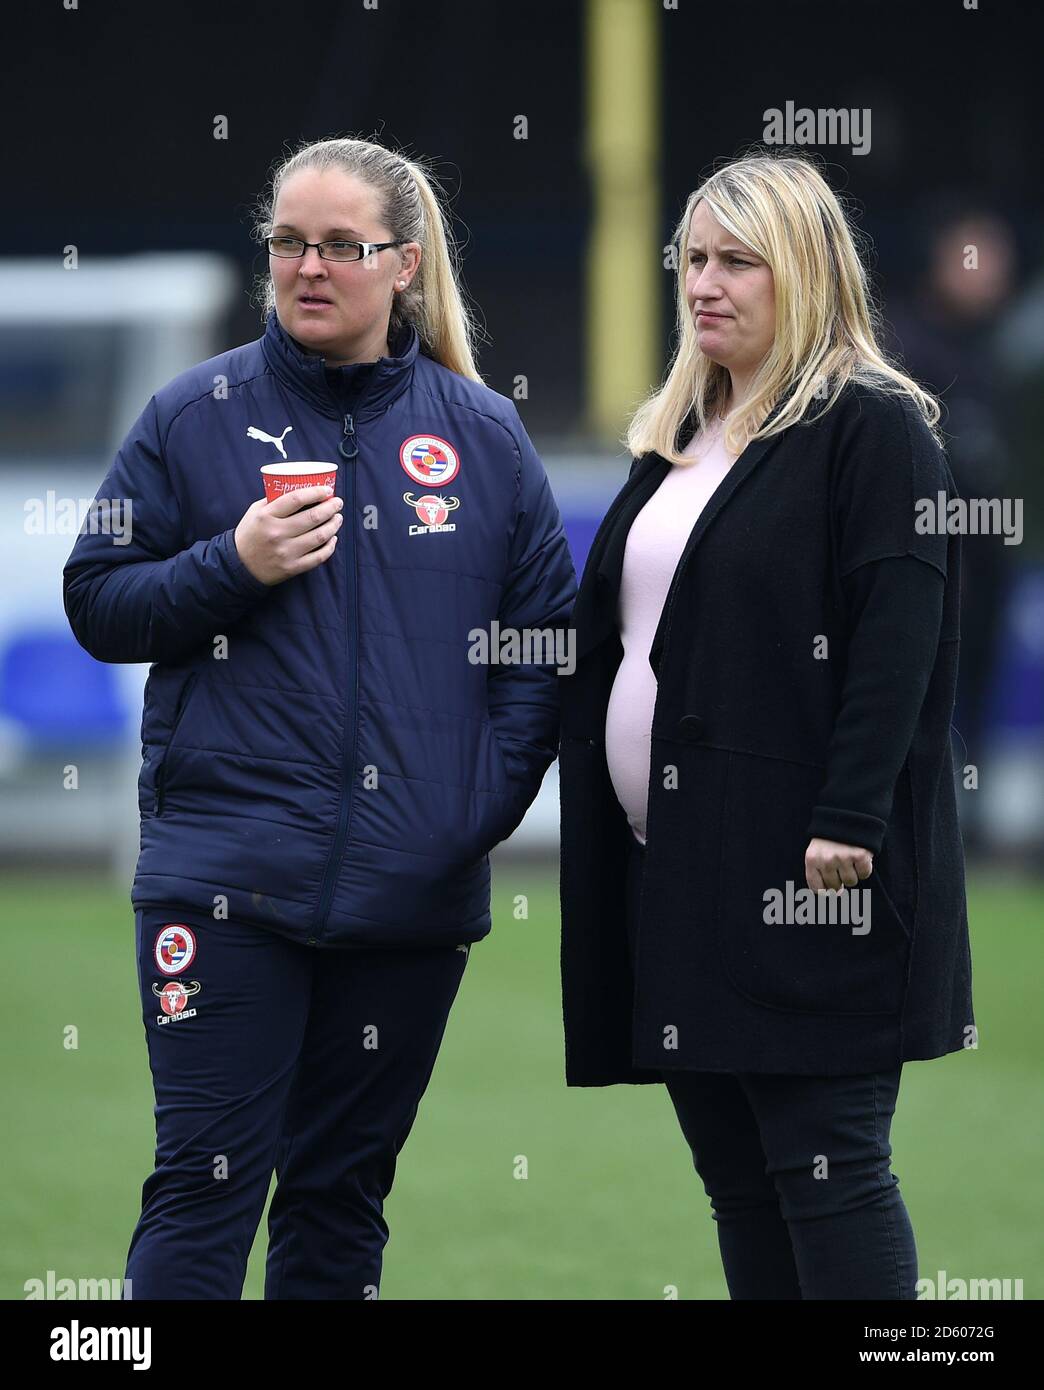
796 1169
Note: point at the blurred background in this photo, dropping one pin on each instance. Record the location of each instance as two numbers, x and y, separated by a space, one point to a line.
567 136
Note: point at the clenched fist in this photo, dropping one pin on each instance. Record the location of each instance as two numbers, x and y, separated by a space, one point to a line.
295 533
832 866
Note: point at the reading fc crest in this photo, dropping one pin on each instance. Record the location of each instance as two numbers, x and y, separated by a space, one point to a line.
429 460
175 948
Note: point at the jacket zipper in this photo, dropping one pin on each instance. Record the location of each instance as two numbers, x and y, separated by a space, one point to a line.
348 449
161 774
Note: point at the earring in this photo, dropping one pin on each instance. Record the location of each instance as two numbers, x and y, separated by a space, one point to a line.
402 284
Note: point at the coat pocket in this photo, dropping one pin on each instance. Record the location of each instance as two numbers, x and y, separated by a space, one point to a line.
163 767
498 792
895 874
781 944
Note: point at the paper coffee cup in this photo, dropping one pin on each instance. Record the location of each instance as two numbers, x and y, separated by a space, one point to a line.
288 477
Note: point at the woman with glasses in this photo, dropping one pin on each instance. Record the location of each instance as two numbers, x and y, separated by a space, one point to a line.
763 896
326 764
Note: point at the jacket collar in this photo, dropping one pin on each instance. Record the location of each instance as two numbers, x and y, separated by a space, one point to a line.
595 611
306 373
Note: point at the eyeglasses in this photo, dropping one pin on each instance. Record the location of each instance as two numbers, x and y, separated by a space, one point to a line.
292 246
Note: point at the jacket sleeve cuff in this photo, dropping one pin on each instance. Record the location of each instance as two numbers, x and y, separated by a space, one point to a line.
238 572
847 828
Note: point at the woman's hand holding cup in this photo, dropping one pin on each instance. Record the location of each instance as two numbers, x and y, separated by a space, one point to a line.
290 535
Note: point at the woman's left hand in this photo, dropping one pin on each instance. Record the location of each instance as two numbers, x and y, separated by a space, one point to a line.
831 865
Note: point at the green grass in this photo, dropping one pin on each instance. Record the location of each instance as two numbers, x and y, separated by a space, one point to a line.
611 1207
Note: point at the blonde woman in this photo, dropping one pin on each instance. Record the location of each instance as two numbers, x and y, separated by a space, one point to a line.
762 877
325 769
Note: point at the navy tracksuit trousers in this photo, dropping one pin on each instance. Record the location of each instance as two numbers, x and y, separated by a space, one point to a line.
796 1169
270 1056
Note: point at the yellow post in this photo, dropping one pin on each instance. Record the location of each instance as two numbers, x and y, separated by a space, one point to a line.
624 262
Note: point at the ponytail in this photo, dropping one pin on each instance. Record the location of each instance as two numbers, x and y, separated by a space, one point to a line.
433 302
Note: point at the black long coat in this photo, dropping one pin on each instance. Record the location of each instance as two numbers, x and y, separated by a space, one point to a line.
763 738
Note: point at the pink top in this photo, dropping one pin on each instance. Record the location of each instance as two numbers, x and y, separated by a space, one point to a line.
655 543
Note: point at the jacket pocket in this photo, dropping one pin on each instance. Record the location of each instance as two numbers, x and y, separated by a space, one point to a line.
502 778
781 944
895 874
497 792
162 770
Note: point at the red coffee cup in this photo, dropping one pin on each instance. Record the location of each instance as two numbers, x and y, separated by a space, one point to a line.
288 477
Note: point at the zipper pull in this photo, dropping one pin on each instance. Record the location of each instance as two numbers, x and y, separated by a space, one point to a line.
348 447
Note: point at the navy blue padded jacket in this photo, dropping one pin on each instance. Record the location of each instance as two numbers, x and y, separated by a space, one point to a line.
322 757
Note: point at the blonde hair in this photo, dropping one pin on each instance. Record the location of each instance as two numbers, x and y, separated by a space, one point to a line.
827 325
434 302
